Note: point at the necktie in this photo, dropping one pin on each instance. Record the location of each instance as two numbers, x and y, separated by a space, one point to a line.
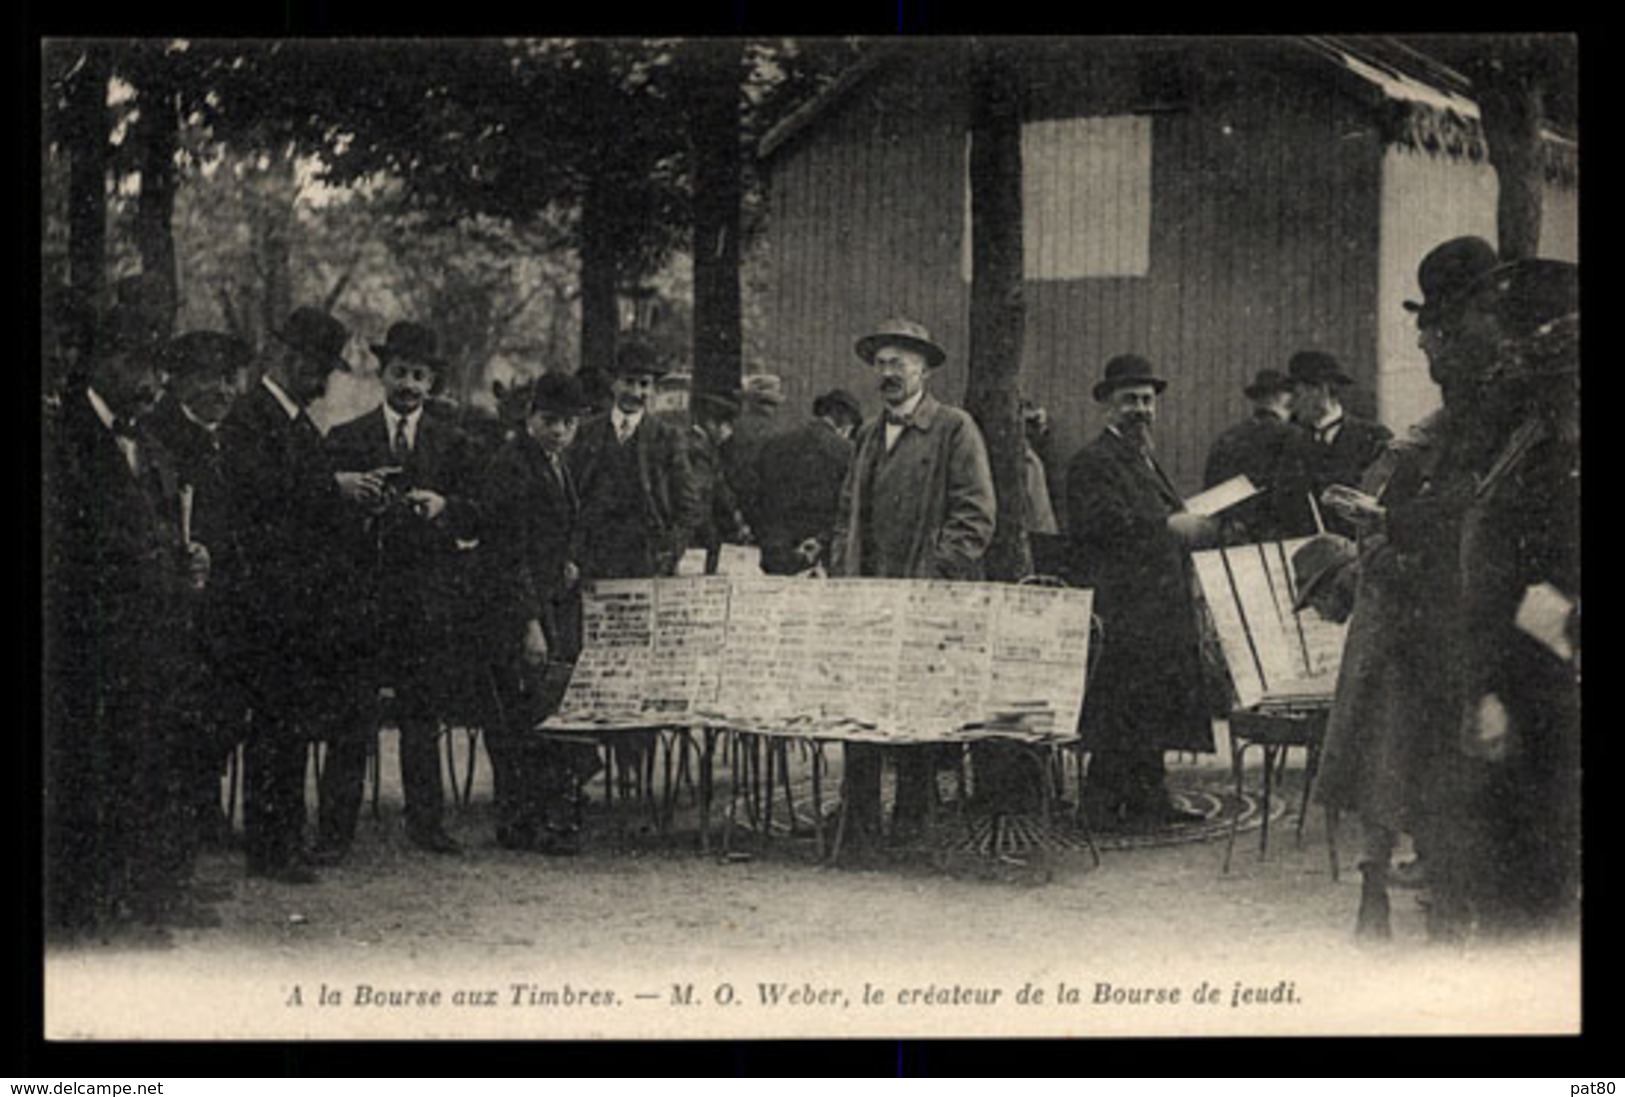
124 435
623 430
401 446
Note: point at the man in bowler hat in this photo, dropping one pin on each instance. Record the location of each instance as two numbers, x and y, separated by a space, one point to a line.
1334 446
293 650
406 549
1130 542
1258 448
918 503
714 415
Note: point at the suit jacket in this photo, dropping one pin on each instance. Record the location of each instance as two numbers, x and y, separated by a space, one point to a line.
1147 689
1260 448
669 503
799 476
1314 466
287 630
532 531
933 491
717 505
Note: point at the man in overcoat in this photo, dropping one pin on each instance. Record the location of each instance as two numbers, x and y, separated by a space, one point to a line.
714 415
118 586
1519 639
1259 448
1389 735
1334 446
917 503
293 649
1130 542
799 474
532 520
406 553
639 503
206 373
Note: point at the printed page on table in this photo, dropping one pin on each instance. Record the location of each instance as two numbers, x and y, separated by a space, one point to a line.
690 627
850 649
753 686
944 660
1040 656
1246 672
618 633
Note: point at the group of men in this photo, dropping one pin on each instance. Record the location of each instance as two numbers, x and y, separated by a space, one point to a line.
1456 716
219 572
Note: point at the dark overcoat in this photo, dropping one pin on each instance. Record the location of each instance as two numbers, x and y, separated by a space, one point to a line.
1146 692
799 474
1260 449
532 531
667 508
1312 466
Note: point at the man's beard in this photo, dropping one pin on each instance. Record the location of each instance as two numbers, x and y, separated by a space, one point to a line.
1137 429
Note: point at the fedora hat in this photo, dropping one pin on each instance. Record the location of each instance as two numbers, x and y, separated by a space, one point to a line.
1446 273
411 341
206 352
1316 367
557 394
901 332
1126 370
837 401
318 336
1267 382
636 356
1316 561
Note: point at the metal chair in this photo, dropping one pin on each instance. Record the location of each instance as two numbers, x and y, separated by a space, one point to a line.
1275 734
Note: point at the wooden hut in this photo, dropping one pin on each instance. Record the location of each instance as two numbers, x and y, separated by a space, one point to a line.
1212 204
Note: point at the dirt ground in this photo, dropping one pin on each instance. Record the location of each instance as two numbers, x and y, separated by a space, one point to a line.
914 945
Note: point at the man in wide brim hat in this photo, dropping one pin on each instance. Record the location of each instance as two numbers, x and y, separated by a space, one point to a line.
901 332
1125 370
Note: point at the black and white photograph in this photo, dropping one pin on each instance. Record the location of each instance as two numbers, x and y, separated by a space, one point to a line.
774 537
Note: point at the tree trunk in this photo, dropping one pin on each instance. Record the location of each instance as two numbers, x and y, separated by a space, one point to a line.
158 136
87 135
715 74
1511 109
997 310
1004 780
272 205
600 315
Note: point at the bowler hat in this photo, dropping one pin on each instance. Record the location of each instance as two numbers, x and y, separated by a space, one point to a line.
1447 271
1316 561
557 394
207 352
316 335
636 356
836 401
764 388
1126 370
1267 382
1316 367
411 341
717 405
901 332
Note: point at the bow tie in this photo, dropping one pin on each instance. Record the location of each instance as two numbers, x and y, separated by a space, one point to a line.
896 418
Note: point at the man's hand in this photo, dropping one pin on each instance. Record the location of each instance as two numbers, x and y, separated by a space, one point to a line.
366 488
572 574
1193 530
197 565
535 649
1486 732
1355 506
426 504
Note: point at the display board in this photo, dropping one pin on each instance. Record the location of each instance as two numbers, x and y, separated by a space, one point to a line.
1276 658
881 659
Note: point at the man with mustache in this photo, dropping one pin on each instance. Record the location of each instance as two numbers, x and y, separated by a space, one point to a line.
1130 542
406 551
917 503
639 500
118 586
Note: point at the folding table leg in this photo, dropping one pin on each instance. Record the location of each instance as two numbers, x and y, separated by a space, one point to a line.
1270 756
1238 754
817 752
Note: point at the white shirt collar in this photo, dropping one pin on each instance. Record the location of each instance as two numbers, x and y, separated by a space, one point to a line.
1333 415
393 417
103 412
281 397
625 421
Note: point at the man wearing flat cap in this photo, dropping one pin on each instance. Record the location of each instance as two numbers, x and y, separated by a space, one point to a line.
294 650
1519 639
406 550
532 519
206 372
119 581
800 473
1334 446
639 501
714 415
1259 448
917 503
1130 542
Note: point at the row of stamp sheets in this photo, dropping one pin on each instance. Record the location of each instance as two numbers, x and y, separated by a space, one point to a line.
852 659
